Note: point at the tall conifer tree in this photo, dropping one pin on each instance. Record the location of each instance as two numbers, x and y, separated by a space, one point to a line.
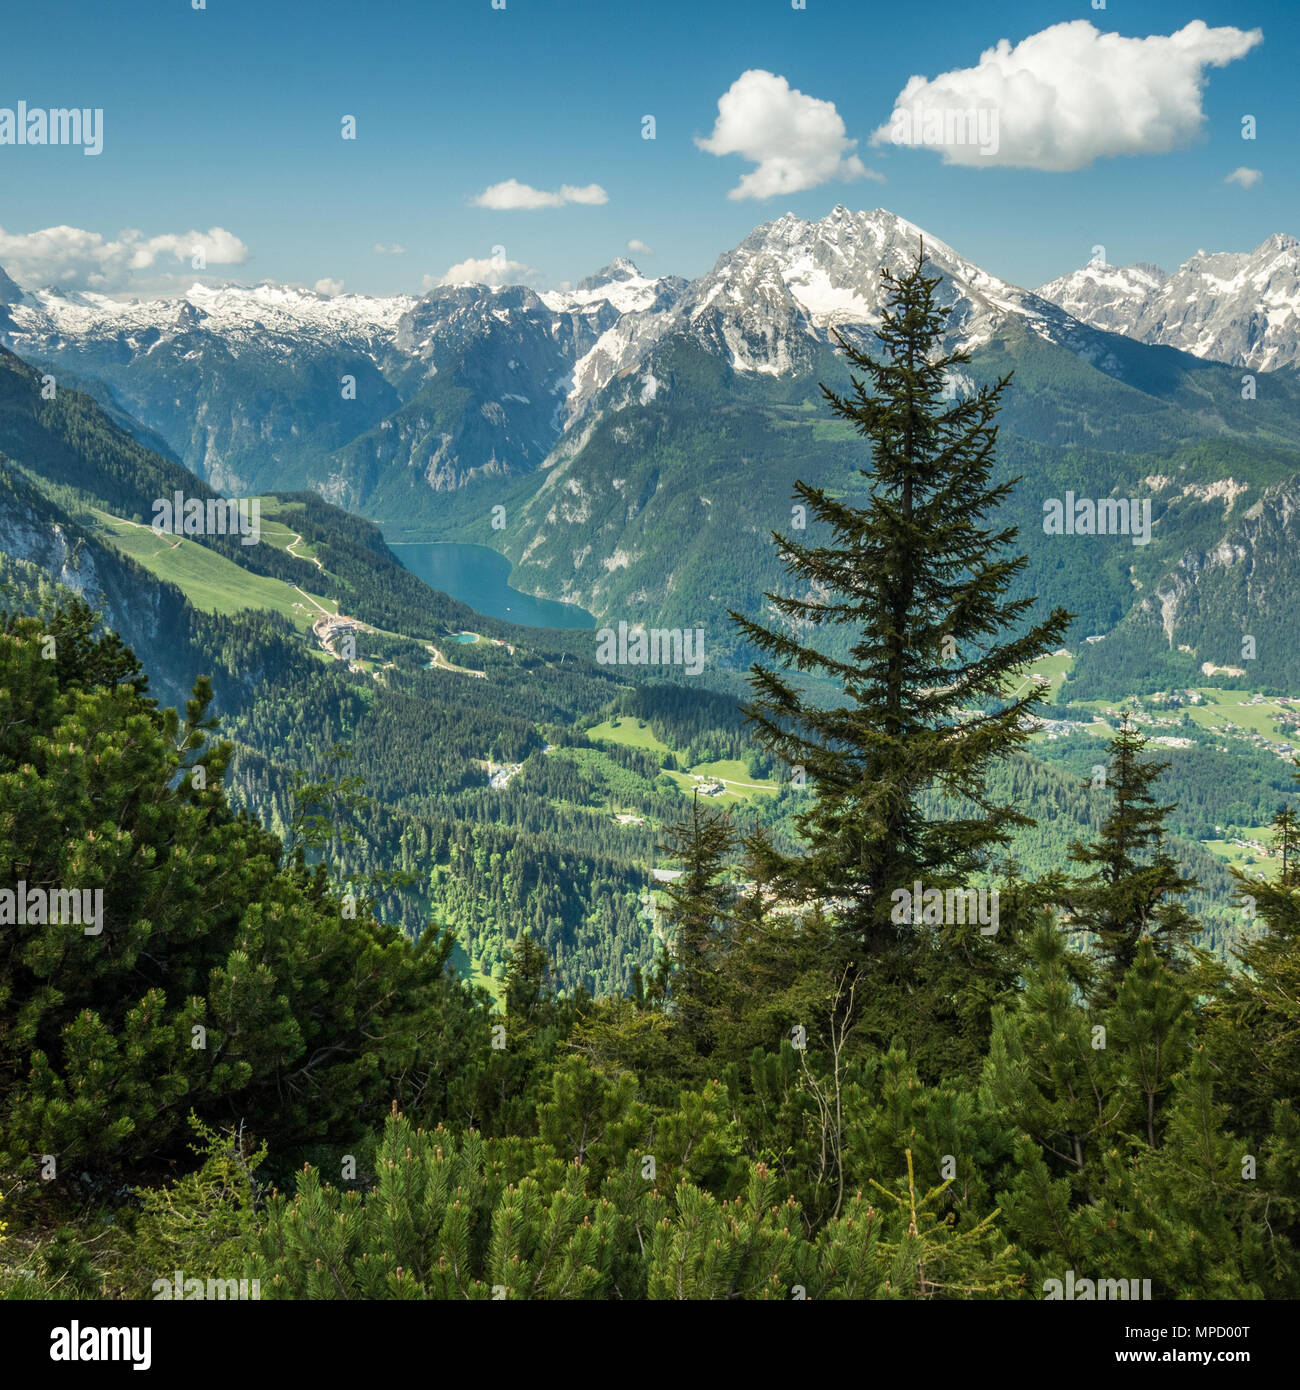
919 578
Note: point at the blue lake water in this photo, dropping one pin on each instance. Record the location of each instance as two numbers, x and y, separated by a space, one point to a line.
476 575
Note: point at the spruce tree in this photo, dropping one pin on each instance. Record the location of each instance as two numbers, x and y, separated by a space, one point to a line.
778 971
1182 1213
1135 883
697 912
921 639
529 989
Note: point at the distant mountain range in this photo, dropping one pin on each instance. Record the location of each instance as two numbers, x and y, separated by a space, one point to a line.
262 387
365 399
642 434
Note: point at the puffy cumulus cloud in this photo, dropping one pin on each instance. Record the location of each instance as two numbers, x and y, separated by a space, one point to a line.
1245 178
636 244
396 249
1067 96
329 287
511 196
488 270
796 141
77 259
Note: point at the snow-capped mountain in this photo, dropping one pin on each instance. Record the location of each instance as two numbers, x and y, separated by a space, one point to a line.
449 319
254 386
770 304
259 317
368 398
643 434
1242 308
794 277
242 383
621 286
361 397
661 495
269 315
488 381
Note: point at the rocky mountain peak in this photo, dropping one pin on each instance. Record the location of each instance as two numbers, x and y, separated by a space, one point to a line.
1240 307
620 268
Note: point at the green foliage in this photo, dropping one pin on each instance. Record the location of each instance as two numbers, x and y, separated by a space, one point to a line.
455 1217
201 1223
269 997
695 916
1253 1025
702 1117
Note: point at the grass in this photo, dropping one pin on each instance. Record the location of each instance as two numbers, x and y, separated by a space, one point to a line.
282 534
833 431
466 969
636 733
633 733
210 581
1221 707
730 797
281 537
1055 668
1234 856
738 790
1227 705
733 770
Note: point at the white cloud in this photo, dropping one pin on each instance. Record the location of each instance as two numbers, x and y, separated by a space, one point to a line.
636 244
1071 94
512 196
489 270
77 259
330 287
396 249
1247 178
797 141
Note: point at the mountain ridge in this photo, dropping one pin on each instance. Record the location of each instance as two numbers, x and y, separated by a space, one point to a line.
1242 308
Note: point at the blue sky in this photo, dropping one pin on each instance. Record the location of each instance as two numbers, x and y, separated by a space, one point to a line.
230 117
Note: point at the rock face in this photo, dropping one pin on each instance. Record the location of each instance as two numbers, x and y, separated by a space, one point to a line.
768 305
244 386
641 436
1242 308
792 278
1227 600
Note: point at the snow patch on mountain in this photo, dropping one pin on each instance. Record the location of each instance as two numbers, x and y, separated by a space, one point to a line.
1242 308
769 303
620 284
232 311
